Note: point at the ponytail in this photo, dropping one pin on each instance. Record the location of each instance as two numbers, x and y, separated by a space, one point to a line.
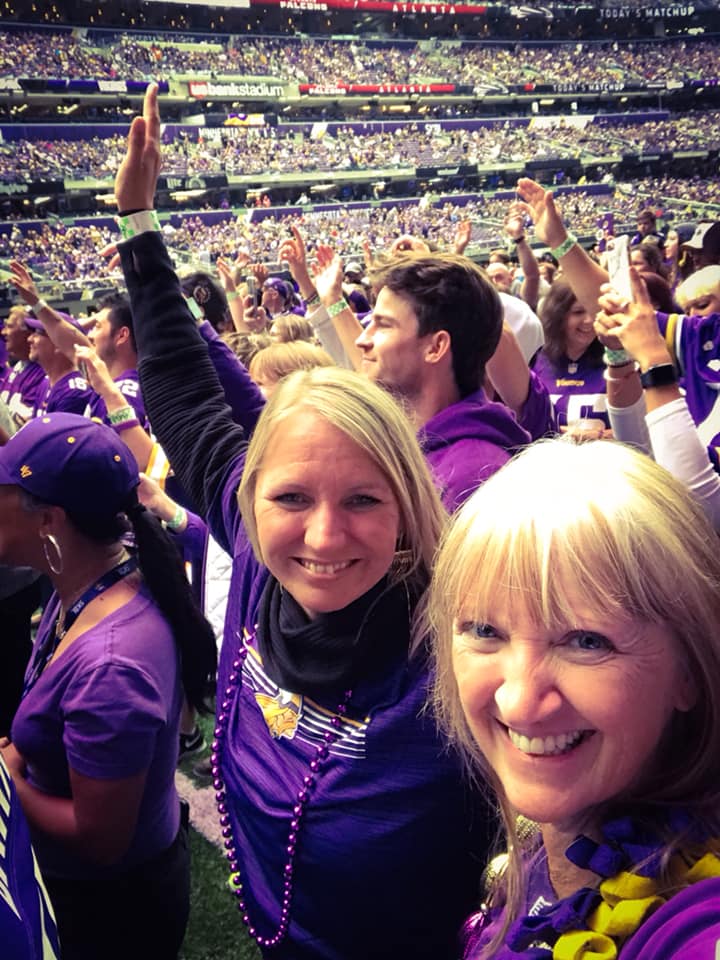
163 572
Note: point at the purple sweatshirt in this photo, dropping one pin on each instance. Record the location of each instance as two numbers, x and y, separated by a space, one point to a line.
467 442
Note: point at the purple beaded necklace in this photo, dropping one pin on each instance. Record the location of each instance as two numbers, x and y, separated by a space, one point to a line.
302 800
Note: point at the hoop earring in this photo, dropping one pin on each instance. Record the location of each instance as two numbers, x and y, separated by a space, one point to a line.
402 562
58 567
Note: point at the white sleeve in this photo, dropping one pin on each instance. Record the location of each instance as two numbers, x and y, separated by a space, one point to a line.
679 449
628 425
327 335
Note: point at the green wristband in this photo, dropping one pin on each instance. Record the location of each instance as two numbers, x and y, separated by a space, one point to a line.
177 520
135 223
567 245
122 415
616 358
338 307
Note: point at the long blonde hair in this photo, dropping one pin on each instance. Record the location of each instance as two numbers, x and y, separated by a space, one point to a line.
611 524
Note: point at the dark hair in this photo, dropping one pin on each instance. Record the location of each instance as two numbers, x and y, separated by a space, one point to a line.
161 565
450 292
208 295
660 292
553 314
120 314
653 257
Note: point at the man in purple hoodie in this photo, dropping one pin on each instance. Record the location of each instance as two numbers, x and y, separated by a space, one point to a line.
436 323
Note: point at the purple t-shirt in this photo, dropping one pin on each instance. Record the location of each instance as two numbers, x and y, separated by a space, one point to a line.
69 394
129 385
108 707
577 389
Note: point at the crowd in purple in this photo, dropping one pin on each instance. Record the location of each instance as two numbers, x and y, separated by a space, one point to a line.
135 56
242 152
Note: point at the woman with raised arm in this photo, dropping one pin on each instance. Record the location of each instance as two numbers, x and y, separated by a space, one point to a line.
350 831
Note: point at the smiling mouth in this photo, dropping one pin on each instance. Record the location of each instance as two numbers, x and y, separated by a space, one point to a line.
552 745
324 568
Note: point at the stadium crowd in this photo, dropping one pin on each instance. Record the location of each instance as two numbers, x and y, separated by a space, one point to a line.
269 150
459 553
130 56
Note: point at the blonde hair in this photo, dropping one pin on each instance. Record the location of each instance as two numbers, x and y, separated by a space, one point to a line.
605 522
278 360
290 327
702 283
370 417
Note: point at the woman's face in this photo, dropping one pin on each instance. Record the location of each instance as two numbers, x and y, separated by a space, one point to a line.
327 518
567 718
703 305
638 259
579 331
18 529
671 244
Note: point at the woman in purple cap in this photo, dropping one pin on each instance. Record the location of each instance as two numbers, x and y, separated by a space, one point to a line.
94 741
576 601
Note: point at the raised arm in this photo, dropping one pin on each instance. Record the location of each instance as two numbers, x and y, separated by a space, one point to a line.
181 389
64 335
515 229
582 273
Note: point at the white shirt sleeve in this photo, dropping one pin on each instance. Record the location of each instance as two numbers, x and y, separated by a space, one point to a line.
677 447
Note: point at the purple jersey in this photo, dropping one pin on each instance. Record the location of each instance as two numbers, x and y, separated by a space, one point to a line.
69 394
577 389
694 344
129 385
21 389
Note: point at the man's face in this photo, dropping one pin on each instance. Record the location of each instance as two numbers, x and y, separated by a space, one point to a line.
393 352
102 337
500 276
41 348
645 226
17 337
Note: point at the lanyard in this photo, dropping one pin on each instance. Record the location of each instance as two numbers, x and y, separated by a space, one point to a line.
47 649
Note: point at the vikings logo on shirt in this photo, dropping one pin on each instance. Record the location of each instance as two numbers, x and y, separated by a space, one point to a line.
281 712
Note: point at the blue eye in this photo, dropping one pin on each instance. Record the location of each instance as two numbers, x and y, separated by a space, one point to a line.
478 631
589 642
362 500
290 499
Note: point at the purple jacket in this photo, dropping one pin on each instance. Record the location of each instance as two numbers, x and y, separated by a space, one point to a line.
467 442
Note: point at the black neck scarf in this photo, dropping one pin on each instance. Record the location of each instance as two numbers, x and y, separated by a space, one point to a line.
325 656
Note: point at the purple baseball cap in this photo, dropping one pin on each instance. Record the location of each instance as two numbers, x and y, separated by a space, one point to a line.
71 462
32 323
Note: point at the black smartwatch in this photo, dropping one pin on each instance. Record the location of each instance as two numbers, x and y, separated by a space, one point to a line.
660 375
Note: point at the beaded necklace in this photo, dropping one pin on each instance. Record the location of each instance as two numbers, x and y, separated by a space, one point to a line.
302 800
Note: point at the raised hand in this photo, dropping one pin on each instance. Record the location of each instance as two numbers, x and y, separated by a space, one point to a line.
539 204
137 175
329 274
462 236
95 370
514 223
294 253
633 322
23 282
225 272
